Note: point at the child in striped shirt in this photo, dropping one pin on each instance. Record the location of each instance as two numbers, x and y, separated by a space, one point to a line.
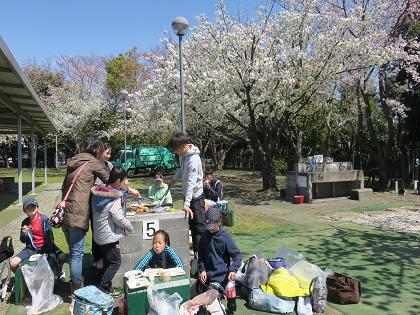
161 255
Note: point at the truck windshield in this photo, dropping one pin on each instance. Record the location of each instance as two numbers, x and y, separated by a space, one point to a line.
120 156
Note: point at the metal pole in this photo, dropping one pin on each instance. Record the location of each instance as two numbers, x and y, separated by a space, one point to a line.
354 147
20 190
56 151
125 133
181 83
45 160
33 159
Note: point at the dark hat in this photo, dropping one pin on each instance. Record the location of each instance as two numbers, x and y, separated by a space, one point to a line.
29 202
213 218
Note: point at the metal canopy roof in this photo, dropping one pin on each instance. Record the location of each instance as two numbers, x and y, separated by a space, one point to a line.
18 96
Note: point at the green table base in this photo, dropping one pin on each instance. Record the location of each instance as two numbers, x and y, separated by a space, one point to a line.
138 303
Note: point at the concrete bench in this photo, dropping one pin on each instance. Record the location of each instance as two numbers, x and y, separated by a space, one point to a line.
6 183
361 194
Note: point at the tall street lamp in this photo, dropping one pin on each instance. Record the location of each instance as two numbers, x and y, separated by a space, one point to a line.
180 27
124 95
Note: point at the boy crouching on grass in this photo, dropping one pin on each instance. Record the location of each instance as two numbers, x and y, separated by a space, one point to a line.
218 256
36 233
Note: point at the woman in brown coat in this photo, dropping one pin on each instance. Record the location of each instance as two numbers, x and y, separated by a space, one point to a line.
76 213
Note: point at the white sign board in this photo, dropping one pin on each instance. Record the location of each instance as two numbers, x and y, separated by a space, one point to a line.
149 229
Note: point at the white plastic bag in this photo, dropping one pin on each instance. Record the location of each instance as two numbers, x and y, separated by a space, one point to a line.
304 306
289 256
162 303
39 279
306 270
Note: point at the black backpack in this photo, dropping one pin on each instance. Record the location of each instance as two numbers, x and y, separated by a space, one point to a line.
6 248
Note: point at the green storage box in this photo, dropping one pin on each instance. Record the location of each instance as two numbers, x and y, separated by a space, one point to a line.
138 303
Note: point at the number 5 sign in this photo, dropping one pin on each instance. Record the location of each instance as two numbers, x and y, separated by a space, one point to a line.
149 229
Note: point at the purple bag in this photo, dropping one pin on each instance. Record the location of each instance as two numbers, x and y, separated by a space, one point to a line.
276 263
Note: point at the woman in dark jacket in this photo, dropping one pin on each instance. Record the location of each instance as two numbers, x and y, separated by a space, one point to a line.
76 212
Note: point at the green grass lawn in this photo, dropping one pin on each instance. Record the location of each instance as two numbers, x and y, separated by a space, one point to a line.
386 262
54 176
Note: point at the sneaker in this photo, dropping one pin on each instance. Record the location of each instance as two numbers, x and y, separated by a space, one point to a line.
115 292
62 276
99 265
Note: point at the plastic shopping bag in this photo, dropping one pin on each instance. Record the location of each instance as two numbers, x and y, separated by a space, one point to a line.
39 279
162 303
289 256
306 270
208 299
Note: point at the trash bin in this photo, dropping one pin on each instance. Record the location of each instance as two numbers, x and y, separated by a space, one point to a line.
299 199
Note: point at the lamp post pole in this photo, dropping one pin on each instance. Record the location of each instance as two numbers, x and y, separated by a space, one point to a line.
181 84
180 27
125 131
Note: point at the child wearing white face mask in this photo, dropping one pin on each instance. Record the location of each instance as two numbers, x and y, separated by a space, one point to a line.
110 223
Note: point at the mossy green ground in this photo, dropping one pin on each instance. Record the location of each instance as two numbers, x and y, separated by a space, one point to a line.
387 262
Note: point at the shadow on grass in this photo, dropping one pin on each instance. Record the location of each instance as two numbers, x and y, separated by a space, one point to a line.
386 262
11 197
249 196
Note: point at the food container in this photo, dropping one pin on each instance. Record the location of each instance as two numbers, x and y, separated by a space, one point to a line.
165 276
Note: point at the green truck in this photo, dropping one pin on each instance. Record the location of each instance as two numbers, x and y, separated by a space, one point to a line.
143 159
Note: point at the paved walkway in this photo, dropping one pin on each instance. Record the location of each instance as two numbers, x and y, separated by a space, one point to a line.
47 199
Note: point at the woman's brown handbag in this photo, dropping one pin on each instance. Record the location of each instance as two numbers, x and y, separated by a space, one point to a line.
343 289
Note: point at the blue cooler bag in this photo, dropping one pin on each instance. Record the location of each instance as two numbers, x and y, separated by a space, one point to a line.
90 300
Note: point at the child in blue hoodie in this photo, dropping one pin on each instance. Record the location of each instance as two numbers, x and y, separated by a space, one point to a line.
110 223
36 233
216 250
218 256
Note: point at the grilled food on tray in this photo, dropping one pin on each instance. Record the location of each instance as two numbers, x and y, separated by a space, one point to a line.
139 208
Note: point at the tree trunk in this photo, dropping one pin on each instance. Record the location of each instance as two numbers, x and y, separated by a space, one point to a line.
327 143
381 149
263 152
265 163
220 162
218 152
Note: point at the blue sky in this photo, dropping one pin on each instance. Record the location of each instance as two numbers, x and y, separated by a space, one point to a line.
46 29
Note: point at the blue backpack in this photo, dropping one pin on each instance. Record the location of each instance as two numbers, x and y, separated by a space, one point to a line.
90 300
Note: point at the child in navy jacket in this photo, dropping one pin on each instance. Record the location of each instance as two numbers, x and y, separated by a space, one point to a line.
216 250
36 233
